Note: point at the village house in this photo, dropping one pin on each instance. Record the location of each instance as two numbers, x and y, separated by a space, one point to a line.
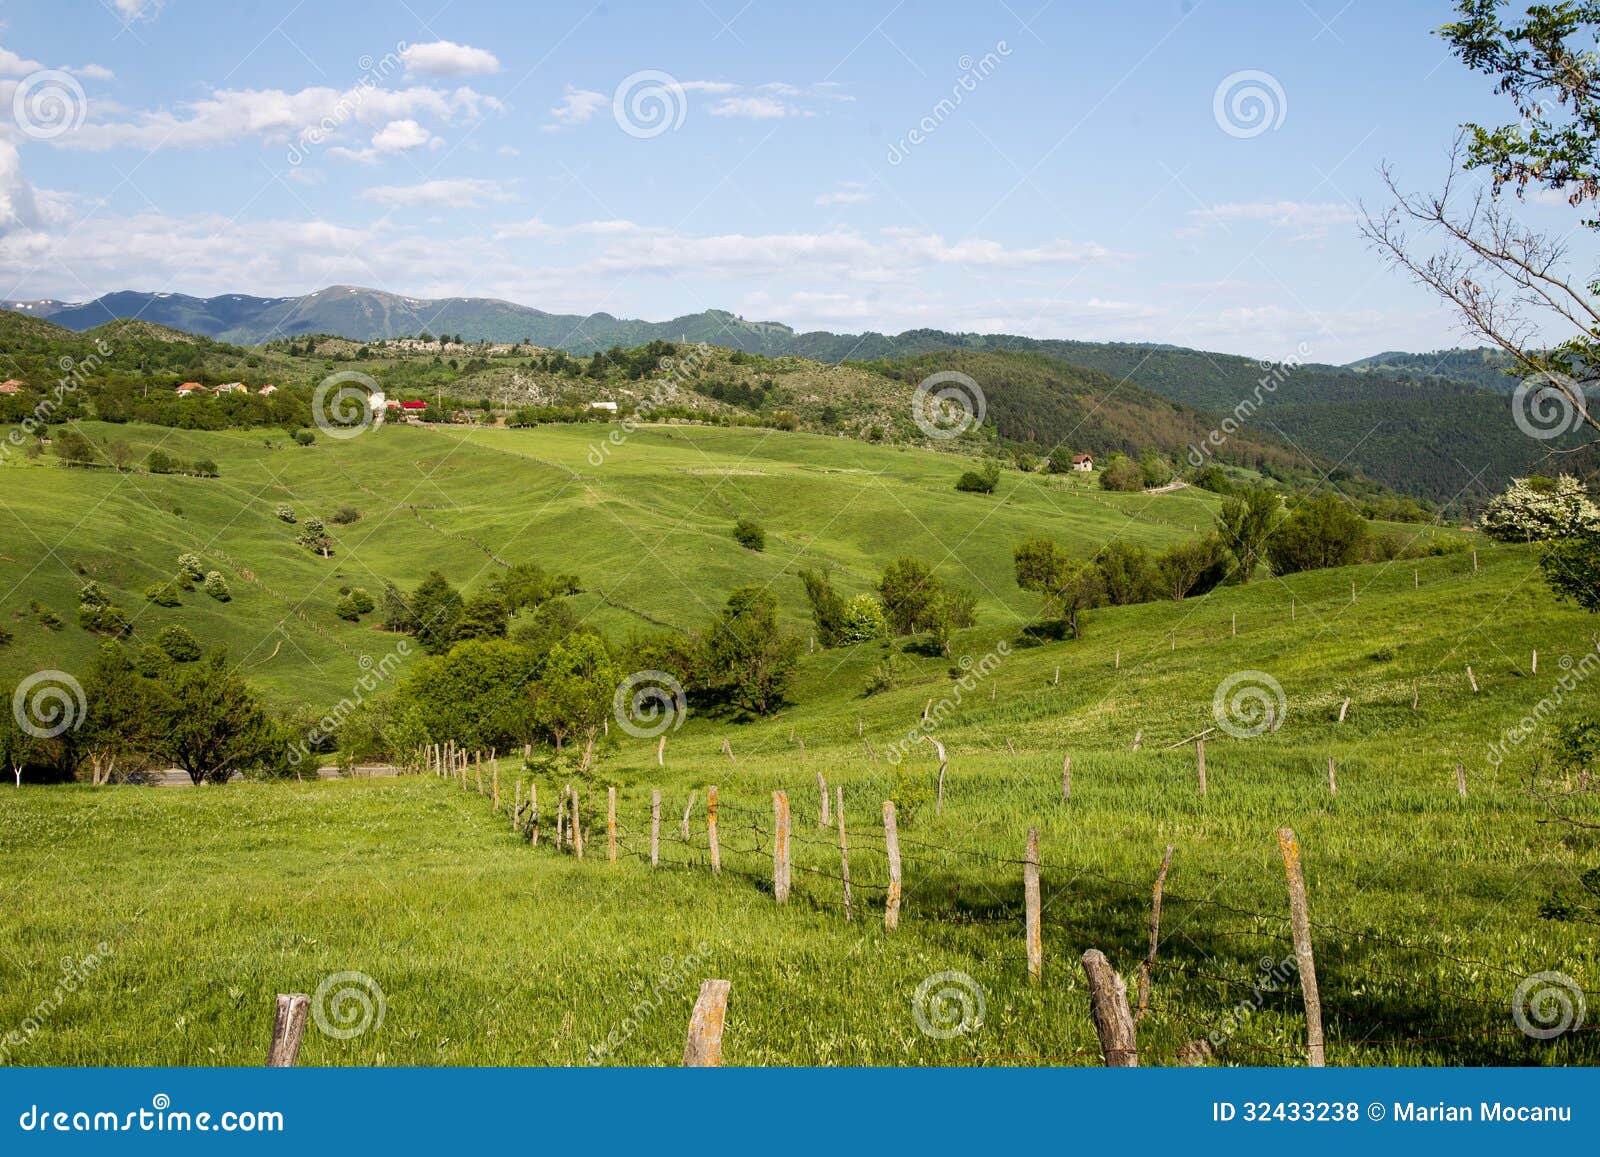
609 407
1082 462
190 389
233 388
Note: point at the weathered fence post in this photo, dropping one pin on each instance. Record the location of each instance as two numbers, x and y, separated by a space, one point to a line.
477 769
1108 1004
1535 669
288 1026
727 749
661 752
1066 778
704 1047
655 827
944 763
611 824
822 790
1200 762
891 845
1473 679
1343 707
1138 738
1333 782
683 828
1461 780
1149 965
780 846
844 851
494 785
561 818
1300 926
1030 899
711 828
1235 629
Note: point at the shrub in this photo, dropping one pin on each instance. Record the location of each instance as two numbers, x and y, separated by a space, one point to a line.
345 608
344 516
980 481
1323 531
884 677
362 601
913 790
152 662
103 619
863 620
314 537
48 619
204 468
1536 508
179 645
162 594
750 535
305 438
190 570
5 636
160 462
285 513
217 586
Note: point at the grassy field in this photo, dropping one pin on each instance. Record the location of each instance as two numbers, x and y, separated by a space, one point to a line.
488 951
647 530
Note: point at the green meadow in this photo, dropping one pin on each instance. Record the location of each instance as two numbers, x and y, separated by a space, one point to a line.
1425 903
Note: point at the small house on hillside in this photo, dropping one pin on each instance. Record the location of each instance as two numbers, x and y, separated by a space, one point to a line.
190 389
233 388
11 386
1082 462
267 390
413 407
609 407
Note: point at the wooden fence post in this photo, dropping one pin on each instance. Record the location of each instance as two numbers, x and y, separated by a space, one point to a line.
1300 925
780 846
1473 679
1030 899
1108 1004
1461 780
1149 965
1200 762
1535 670
1066 778
477 769
655 827
1343 707
944 763
1333 782
661 752
1138 738
711 828
844 851
822 790
683 828
561 818
494 782
727 749
1235 629
288 1026
611 824
704 1047
891 845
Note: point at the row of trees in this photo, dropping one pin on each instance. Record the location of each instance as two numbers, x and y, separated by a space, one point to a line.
909 599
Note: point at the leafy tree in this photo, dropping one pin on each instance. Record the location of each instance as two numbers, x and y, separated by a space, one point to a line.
190 570
1245 524
152 662
1128 572
73 448
1534 509
285 513
97 613
436 606
1069 586
204 468
162 594
314 537
1192 568
1154 469
345 608
576 685
217 587
305 438
477 694
827 607
160 462
1059 462
215 724
1122 473
1321 532
483 617
747 654
397 614
1571 568
18 749
908 591
552 622
749 535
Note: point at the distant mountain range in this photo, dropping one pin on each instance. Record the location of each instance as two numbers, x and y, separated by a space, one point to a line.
1434 424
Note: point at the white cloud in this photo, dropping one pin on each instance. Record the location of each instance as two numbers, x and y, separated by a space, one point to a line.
401 136
454 193
447 58
579 105
845 193
18 210
1309 221
13 65
131 10
754 107
228 116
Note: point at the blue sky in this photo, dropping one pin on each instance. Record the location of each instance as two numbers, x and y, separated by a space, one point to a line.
1079 179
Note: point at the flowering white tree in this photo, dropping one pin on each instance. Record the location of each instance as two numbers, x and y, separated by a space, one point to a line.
1535 509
